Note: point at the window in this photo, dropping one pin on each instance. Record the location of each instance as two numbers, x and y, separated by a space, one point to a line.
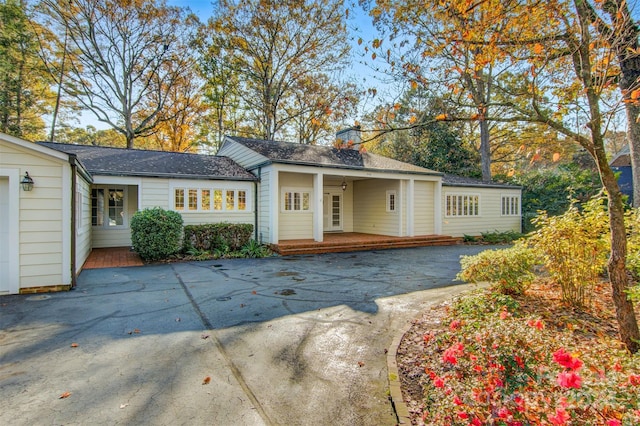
462 205
296 201
510 205
108 207
206 199
242 200
179 199
391 201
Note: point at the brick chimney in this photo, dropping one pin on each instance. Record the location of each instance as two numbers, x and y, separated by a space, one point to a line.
349 137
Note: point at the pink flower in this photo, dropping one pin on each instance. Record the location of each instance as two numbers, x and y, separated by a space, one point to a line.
614 422
463 415
634 380
438 382
457 400
451 354
504 314
617 366
476 422
504 413
455 324
561 417
569 379
566 360
427 337
536 324
518 361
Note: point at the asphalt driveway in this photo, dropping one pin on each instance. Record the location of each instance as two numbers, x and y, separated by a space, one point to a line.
280 341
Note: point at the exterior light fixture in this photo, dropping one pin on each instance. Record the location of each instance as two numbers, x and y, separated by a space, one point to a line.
26 182
344 185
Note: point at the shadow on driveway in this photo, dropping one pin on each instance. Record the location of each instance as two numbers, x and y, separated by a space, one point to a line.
282 340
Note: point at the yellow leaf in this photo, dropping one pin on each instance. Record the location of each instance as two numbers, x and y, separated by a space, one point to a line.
397 106
635 94
414 84
538 48
441 117
360 41
556 157
413 119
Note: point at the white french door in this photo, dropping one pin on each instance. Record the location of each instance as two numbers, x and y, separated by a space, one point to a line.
332 211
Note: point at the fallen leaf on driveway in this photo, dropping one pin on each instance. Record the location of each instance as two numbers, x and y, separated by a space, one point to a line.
135 331
65 395
254 292
177 319
74 345
206 380
123 406
360 364
204 336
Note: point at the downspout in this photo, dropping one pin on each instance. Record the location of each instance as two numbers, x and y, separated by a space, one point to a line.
255 205
74 170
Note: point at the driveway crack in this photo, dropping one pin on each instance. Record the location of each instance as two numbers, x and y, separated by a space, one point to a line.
234 369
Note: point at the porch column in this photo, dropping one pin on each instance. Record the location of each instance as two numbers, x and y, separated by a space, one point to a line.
437 207
274 206
318 207
410 207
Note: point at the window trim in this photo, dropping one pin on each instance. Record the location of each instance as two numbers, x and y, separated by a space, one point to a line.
301 199
518 205
187 189
392 193
105 206
473 195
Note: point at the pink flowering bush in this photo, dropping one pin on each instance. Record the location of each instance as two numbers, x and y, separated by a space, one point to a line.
491 366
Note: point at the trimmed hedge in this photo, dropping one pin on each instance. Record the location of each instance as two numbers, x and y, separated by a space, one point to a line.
156 233
217 236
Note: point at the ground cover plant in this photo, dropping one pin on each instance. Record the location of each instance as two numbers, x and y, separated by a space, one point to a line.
542 345
493 359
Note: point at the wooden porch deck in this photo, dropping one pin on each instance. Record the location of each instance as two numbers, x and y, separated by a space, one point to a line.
113 257
354 241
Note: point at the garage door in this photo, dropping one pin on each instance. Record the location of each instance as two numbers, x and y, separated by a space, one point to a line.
4 235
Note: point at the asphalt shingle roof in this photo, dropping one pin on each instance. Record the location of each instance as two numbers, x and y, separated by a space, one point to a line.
454 180
136 162
318 155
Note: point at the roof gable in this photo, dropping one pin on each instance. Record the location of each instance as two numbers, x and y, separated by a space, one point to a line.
326 156
136 162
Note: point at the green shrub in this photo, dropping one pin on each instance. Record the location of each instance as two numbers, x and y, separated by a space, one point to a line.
156 233
498 237
253 249
217 237
509 270
574 247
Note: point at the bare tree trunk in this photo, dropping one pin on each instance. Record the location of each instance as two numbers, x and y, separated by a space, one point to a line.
485 151
633 135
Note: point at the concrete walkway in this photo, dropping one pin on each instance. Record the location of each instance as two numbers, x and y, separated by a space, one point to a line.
278 341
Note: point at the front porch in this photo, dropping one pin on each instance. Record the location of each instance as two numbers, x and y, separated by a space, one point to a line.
356 241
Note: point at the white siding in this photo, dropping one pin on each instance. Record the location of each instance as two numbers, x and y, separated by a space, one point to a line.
370 205
83 222
40 229
264 215
242 155
490 218
299 224
155 193
423 205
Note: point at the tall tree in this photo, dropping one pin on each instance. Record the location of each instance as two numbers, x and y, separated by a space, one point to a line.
621 31
562 62
431 44
119 56
24 89
274 47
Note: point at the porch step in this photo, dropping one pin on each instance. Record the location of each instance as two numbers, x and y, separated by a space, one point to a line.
313 247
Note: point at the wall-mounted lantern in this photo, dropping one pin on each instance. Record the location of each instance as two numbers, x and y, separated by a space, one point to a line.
26 182
344 185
